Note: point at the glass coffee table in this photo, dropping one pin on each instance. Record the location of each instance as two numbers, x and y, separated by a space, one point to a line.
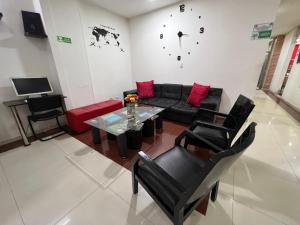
116 124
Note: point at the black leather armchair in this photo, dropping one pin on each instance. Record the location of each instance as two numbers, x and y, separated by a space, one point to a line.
178 181
222 135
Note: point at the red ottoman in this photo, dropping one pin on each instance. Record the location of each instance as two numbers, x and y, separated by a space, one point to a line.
76 117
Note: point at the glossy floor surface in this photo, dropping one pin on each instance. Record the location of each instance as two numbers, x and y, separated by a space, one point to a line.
64 181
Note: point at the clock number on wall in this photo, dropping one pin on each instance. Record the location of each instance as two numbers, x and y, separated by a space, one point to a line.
161 36
182 8
201 30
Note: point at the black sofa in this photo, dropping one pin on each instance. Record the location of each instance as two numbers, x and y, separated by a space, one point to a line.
173 97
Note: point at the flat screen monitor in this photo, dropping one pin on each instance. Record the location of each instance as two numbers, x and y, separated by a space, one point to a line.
31 86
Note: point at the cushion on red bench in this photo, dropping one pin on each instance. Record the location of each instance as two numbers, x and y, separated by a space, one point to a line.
76 117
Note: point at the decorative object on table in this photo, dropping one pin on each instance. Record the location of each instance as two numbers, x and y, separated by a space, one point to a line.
131 100
185 36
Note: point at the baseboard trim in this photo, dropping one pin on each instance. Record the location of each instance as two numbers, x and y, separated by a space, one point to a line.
292 110
19 142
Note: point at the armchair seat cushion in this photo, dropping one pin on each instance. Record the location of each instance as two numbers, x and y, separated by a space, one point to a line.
217 137
180 165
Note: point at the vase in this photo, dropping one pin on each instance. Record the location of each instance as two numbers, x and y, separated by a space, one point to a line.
131 110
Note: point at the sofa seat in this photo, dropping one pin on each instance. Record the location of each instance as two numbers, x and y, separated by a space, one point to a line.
161 102
182 112
209 102
148 101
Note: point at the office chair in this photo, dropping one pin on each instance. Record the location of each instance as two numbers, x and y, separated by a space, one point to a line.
43 109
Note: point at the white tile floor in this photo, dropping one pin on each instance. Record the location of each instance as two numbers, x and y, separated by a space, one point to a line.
64 182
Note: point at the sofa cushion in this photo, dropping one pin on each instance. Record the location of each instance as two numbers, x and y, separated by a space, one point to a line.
145 89
184 108
157 90
147 101
186 90
162 102
171 91
198 93
210 102
181 112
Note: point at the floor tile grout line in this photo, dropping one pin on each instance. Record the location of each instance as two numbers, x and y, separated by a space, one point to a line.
89 175
12 192
288 161
260 212
130 206
79 203
285 157
253 208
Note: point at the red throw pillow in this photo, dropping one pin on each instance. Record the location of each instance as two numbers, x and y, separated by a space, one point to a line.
198 93
145 89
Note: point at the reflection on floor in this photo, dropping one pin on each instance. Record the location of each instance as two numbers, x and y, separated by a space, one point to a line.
64 181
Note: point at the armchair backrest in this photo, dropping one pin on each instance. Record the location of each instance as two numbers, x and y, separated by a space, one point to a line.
45 103
238 115
221 162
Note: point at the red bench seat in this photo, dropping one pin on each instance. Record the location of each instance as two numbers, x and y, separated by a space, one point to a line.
76 117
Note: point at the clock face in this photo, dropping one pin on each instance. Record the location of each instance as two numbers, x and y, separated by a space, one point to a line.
181 33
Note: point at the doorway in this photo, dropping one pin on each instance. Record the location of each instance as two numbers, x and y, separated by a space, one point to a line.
290 67
263 72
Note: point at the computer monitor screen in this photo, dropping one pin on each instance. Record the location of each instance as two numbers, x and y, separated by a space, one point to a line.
31 86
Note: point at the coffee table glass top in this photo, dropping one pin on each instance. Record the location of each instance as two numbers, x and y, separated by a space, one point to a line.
117 122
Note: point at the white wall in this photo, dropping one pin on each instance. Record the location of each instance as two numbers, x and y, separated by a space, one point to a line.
109 67
225 57
87 74
20 56
284 60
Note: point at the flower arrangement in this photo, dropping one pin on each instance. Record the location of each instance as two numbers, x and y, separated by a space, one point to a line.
131 98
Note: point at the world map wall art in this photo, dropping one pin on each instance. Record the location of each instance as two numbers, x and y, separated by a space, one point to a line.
105 36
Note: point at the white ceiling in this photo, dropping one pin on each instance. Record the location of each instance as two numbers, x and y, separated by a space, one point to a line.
288 17
131 8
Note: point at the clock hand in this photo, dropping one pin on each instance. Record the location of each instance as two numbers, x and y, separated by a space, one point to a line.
180 34
180 42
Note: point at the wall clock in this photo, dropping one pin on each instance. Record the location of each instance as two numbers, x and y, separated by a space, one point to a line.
177 30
